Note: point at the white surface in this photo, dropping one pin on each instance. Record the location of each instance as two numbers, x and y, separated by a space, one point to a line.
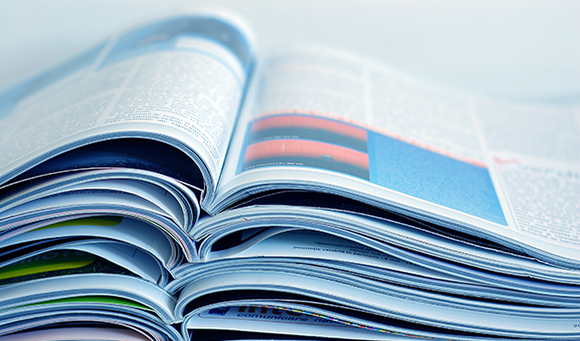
520 50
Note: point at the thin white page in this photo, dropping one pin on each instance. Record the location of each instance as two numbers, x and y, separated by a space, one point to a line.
309 244
128 231
96 198
149 192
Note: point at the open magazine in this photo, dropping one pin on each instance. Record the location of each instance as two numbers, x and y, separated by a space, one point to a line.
171 184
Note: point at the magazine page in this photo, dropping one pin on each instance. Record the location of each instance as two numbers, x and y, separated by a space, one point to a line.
69 274
82 204
270 320
324 120
509 271
179 80
535 153
421 308
128 231
236 232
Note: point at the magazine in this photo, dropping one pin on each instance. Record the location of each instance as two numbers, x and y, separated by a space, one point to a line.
172 183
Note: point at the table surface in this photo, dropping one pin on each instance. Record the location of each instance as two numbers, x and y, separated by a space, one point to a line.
517 50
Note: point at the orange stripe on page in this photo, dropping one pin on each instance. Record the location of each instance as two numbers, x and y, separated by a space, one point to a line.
300 121
307 149
382 131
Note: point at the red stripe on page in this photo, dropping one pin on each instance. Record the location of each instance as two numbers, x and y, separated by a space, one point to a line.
303 111
298 121
308 149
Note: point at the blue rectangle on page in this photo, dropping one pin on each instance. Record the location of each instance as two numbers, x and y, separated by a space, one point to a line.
433 177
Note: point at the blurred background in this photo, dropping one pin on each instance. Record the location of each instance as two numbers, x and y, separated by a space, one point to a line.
527 51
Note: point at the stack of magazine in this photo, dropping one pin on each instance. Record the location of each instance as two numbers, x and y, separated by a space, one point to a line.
173 184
